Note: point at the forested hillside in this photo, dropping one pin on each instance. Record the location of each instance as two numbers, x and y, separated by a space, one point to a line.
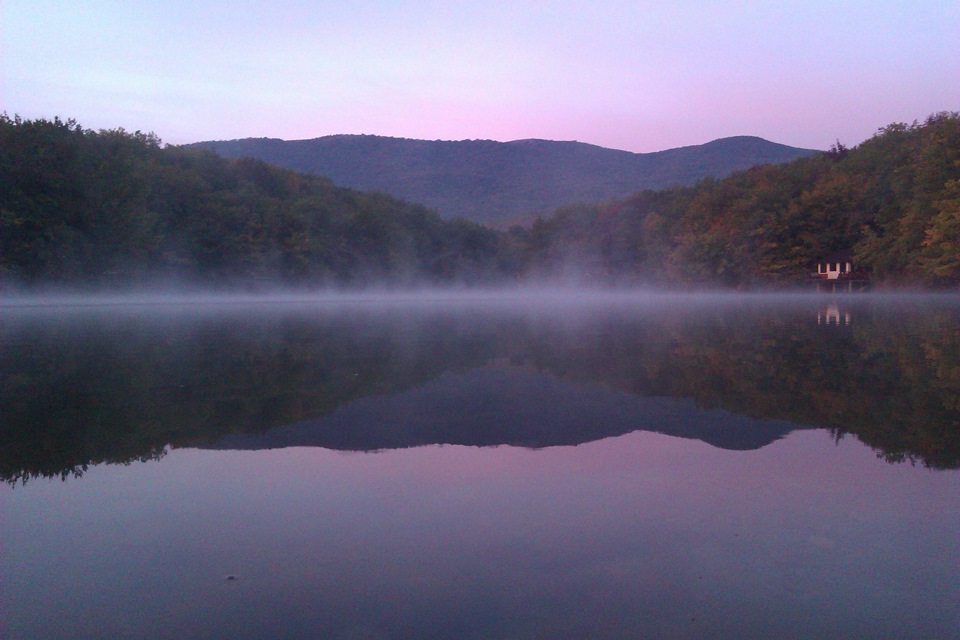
111 208
499 183
894 201
103 208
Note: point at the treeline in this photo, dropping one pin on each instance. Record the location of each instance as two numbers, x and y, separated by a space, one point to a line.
112 208
894 201
106 208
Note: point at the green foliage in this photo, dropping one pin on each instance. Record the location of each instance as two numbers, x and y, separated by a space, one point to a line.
941 255
893 200
111 208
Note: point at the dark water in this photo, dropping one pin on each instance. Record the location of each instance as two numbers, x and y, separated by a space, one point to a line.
524 466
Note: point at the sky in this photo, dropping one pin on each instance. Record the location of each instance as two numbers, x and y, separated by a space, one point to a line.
635 75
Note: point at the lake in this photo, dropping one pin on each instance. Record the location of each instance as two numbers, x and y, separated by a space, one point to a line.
529 464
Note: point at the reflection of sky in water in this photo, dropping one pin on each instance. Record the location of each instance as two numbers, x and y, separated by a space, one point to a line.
640 535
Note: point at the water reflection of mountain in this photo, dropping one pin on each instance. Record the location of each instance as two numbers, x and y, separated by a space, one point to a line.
508 405
120 385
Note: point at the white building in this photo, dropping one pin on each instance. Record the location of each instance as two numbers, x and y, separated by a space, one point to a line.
839 269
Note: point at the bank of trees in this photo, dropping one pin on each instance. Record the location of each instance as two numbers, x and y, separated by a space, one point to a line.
110 208
893 200
104 208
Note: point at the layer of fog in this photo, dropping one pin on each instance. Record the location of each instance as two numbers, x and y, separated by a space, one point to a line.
504 297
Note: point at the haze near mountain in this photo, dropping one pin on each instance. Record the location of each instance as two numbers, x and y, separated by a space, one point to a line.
499 183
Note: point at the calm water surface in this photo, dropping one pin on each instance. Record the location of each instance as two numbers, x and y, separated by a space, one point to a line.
537 466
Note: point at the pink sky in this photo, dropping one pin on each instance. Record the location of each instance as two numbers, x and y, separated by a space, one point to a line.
637 75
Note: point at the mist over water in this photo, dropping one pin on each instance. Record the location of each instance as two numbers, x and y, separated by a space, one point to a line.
525 295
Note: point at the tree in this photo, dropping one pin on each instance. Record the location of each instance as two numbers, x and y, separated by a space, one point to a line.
941 244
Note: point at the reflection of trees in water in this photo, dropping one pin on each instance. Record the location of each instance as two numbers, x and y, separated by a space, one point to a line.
891 378
114 390
101 388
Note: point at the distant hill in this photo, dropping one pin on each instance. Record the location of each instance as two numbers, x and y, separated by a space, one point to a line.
502 182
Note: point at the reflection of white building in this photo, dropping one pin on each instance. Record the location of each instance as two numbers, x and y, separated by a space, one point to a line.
833 315
839 269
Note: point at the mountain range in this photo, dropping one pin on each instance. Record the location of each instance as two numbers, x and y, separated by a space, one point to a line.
500 183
